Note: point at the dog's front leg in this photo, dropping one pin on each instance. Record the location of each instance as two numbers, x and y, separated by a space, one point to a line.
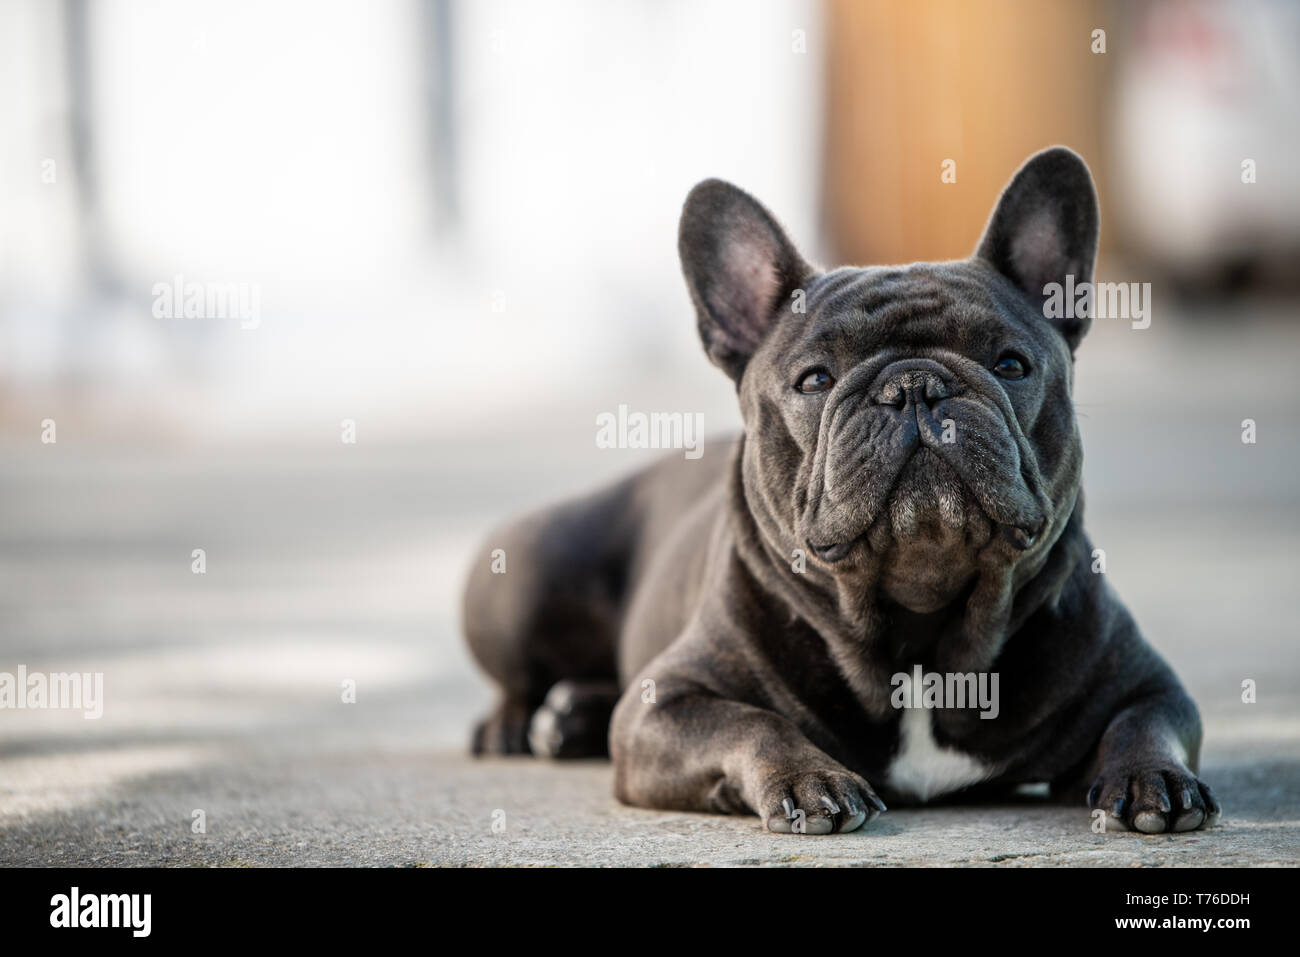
1146 766
684 747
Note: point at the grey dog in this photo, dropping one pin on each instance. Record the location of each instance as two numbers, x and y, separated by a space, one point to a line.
744 633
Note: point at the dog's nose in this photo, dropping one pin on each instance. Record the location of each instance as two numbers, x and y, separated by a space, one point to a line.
912 387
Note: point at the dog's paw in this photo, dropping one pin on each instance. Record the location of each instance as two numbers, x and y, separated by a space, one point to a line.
827 801
1155 800
573 721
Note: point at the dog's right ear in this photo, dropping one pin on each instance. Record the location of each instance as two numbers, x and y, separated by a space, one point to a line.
1044 229
740 268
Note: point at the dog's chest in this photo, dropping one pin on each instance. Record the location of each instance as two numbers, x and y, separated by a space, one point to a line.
922 769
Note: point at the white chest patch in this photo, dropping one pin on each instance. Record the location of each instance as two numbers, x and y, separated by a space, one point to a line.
925 770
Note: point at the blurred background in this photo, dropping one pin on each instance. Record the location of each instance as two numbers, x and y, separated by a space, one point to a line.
459 222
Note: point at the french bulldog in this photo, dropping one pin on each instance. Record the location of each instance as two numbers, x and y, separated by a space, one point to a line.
748 632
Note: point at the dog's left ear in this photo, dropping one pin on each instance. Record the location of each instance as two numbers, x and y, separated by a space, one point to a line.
1045 228
741 270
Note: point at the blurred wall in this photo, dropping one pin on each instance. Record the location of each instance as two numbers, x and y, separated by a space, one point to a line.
440 199
911 85
436 199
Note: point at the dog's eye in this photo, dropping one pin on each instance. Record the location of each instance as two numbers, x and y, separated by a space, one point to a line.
1011 366
818 380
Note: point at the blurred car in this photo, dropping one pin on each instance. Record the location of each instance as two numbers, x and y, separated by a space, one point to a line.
1207 97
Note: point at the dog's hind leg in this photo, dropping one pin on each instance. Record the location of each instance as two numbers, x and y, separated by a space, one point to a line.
541 615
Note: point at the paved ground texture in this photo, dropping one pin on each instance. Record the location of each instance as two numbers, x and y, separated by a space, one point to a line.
417 809
330 565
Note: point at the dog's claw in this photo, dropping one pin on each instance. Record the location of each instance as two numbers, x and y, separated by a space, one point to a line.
819 802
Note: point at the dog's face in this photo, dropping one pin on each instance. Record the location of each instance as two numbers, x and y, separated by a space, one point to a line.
908 425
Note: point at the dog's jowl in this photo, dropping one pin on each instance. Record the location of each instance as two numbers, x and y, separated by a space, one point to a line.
880 591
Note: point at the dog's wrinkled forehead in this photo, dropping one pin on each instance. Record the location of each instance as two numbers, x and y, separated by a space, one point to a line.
919 309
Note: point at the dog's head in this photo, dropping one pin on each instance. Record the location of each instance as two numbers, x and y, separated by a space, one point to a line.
912 423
